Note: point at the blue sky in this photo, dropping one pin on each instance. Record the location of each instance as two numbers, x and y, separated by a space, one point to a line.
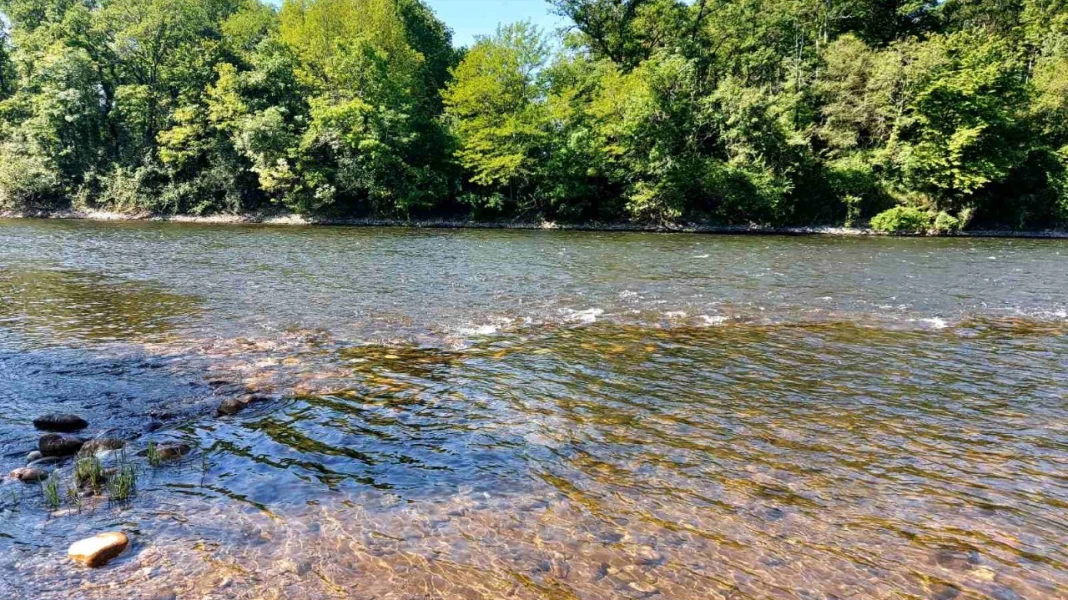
469 18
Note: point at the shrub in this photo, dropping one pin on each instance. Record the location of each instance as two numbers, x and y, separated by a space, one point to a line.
946 223
902 219
28 179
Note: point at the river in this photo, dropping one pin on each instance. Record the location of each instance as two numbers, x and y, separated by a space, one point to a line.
542 414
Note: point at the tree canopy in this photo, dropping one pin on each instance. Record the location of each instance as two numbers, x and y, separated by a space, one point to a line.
929 115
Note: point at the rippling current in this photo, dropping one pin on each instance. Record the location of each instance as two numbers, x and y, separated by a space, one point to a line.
564 415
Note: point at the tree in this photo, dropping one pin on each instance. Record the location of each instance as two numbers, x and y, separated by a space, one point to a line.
496 107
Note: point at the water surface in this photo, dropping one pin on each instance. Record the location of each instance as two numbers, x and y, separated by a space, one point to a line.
493 414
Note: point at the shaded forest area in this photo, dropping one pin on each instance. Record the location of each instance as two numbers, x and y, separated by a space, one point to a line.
905 114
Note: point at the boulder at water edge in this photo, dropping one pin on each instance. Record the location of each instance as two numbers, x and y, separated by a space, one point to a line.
60 422
99 549
58 444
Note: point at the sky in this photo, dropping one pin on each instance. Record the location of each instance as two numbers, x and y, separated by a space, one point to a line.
470 18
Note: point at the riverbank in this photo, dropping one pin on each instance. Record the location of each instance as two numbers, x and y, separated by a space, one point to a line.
301 220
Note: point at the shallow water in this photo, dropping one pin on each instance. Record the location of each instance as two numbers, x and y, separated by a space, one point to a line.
493 414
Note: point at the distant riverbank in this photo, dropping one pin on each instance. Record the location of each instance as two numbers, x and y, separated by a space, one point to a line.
282 218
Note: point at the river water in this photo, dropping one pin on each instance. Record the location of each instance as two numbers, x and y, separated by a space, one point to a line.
537 414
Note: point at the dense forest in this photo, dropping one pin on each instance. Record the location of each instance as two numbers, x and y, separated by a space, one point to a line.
906 114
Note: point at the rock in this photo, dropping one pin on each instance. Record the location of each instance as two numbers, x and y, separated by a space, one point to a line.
232 406
47 461
952 559
984 574
101 444
32 456
56 444
945 591
60 422
172 450
301 568
99 549
29 474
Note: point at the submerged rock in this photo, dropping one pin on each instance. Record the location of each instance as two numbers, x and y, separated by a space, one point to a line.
101 444
57 444
99 549
35 455
232 406
60 422
29 474
45 461
172 450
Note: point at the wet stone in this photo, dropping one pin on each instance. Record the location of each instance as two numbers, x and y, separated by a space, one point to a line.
56 444
1004 593
99 549
47 461
774 514
944 591
172 450
100 445
34 456
29 474
232 406
60 422
951 559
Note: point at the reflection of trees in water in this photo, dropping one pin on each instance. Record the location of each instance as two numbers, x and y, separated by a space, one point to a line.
48 304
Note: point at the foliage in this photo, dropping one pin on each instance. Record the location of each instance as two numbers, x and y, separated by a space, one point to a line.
769 112
902 219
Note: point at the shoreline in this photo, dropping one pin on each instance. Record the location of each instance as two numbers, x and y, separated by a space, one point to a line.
289 219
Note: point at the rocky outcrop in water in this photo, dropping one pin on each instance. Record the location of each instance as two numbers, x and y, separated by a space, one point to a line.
99 549
58 444
60 422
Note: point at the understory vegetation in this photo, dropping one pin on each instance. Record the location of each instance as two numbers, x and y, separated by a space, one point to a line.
907 115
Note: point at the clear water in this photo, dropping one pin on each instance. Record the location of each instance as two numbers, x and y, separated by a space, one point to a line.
493 414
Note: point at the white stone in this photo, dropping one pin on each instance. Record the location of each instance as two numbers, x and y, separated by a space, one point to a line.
99 549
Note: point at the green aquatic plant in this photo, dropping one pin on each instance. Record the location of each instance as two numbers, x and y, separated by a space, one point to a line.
74 497
122 485
153 456
88 471
50 487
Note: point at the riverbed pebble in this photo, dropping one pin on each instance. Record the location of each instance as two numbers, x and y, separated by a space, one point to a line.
57 444
60 422
99 549
32 456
